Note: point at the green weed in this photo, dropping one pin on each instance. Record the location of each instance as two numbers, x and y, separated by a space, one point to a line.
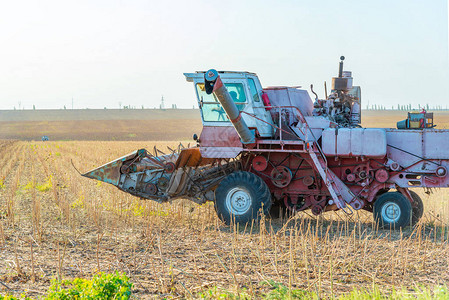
45 187
79 202
101 286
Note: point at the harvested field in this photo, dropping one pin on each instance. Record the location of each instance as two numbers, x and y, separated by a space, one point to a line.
110 130
56 224
99 124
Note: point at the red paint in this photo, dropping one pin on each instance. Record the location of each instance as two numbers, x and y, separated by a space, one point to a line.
219 136
266 101
260 163
306 189
218 84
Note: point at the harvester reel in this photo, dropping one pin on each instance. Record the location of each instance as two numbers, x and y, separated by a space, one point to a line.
281 176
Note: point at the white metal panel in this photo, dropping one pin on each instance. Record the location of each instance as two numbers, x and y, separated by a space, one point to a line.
374 142
436 144
357 142
287 96
301 99
404 140
343 142
328 142
353 142
220 152
409 146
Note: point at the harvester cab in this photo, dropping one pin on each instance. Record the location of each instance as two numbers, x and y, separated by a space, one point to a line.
218 138
275 146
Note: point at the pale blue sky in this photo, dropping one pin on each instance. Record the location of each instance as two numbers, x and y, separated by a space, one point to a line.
106 52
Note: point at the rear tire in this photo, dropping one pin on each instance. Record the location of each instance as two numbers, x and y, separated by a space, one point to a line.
417 208
242 197
392 210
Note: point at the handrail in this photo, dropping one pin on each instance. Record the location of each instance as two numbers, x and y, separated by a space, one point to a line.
272 125
303 120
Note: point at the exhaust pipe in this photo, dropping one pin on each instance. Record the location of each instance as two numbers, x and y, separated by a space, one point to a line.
213 84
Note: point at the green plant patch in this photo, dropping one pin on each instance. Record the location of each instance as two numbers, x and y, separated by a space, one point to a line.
101 286
45 187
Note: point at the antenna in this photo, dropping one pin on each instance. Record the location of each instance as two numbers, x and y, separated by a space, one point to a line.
340 69
162 102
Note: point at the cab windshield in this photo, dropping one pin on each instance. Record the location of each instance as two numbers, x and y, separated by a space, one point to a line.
212 109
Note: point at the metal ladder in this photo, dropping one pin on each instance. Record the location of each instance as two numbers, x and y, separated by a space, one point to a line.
339 191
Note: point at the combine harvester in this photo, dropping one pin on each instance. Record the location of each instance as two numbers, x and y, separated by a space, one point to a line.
263 147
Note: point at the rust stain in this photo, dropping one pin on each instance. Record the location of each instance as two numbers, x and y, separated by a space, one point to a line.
191 157
110 172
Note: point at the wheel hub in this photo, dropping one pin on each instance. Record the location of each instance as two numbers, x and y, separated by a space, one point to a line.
238 201
391 212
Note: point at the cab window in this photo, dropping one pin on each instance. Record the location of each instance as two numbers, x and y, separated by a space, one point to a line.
252 88
212 109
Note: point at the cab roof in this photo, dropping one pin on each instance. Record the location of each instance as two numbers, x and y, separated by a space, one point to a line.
198 75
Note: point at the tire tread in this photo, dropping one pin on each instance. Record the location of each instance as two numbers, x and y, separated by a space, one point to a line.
260 194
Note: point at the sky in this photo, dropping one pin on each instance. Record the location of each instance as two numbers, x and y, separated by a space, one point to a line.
131 52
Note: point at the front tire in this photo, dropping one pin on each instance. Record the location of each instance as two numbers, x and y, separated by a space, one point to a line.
242 196
392 210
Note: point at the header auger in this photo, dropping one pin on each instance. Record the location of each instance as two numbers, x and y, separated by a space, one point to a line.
264 146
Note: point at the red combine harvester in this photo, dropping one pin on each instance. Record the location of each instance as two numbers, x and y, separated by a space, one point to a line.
261 147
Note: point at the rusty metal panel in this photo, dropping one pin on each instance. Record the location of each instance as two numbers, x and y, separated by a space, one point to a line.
220 142
220 136
110 172
191 157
